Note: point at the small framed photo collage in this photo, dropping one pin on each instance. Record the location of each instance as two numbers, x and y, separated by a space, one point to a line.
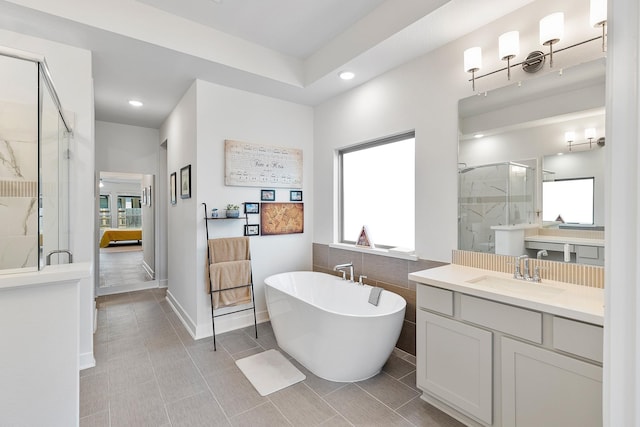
284 209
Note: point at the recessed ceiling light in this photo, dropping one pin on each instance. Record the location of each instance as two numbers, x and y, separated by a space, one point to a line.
135 103
478 135
346 75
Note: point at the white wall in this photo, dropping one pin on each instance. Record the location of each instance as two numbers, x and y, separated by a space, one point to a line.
125 148
71 71
225 113
622 275
423 95
179 132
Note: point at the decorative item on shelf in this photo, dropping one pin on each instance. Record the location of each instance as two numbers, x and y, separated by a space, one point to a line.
364 240
233 211
214 213
551 32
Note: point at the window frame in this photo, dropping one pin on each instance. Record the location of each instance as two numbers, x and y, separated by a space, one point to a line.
359 147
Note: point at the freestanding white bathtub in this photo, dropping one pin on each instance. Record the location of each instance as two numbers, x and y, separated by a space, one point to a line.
328 325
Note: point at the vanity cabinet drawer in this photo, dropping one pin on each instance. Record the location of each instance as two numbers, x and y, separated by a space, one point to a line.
435 299
581 339
587 251
519 322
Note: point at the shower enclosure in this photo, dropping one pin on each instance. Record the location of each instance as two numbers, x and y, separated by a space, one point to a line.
34 165
493 194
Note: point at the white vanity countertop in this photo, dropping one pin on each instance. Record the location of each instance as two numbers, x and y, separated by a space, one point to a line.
563 239
576 302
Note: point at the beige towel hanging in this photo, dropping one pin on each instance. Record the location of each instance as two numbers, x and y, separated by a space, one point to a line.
229 249
230 267
230 274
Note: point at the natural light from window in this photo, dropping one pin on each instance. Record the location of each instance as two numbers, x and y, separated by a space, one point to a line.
571 199
378 184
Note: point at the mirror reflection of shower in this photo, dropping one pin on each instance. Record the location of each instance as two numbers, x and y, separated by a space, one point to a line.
126 238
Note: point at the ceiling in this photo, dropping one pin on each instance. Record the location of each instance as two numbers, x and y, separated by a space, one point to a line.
152 50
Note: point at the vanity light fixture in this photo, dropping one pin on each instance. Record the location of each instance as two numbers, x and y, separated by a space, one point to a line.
135 103
589 135
598 17
473 63
509 48
551 32
347 75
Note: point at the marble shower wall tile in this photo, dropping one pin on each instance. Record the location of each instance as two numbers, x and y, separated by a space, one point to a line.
18 185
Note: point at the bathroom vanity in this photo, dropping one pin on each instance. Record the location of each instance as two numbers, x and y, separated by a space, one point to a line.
496 351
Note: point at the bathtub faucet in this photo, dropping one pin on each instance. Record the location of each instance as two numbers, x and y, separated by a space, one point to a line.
342 267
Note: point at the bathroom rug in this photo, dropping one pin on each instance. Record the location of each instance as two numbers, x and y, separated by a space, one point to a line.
269 371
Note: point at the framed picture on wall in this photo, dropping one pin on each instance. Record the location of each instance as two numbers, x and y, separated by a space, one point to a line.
252 230
149 196
267 195
185 182
143 196
295 195
251 207
173 189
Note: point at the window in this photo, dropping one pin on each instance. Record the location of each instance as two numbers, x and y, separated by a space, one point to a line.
570 199
377 183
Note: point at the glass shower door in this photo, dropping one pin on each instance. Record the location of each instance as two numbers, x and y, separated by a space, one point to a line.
54 179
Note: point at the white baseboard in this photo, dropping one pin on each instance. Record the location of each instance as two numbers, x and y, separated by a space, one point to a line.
230 323
110 290
188 323
224 324
86 361
95 316
149 270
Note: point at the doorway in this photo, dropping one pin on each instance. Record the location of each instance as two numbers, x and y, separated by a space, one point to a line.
126 241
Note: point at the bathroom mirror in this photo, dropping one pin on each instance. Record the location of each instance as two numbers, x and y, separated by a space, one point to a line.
126 242
514 138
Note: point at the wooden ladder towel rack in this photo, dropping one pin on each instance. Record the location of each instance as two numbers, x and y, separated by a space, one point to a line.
213 291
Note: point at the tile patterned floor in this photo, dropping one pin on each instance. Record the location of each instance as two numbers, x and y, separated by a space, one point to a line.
120 268
150 372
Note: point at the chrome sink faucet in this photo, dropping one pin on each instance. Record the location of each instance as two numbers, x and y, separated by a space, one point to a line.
342 267
517 272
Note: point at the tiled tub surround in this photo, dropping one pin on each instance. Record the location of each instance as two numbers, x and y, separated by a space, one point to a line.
578 274
386 272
